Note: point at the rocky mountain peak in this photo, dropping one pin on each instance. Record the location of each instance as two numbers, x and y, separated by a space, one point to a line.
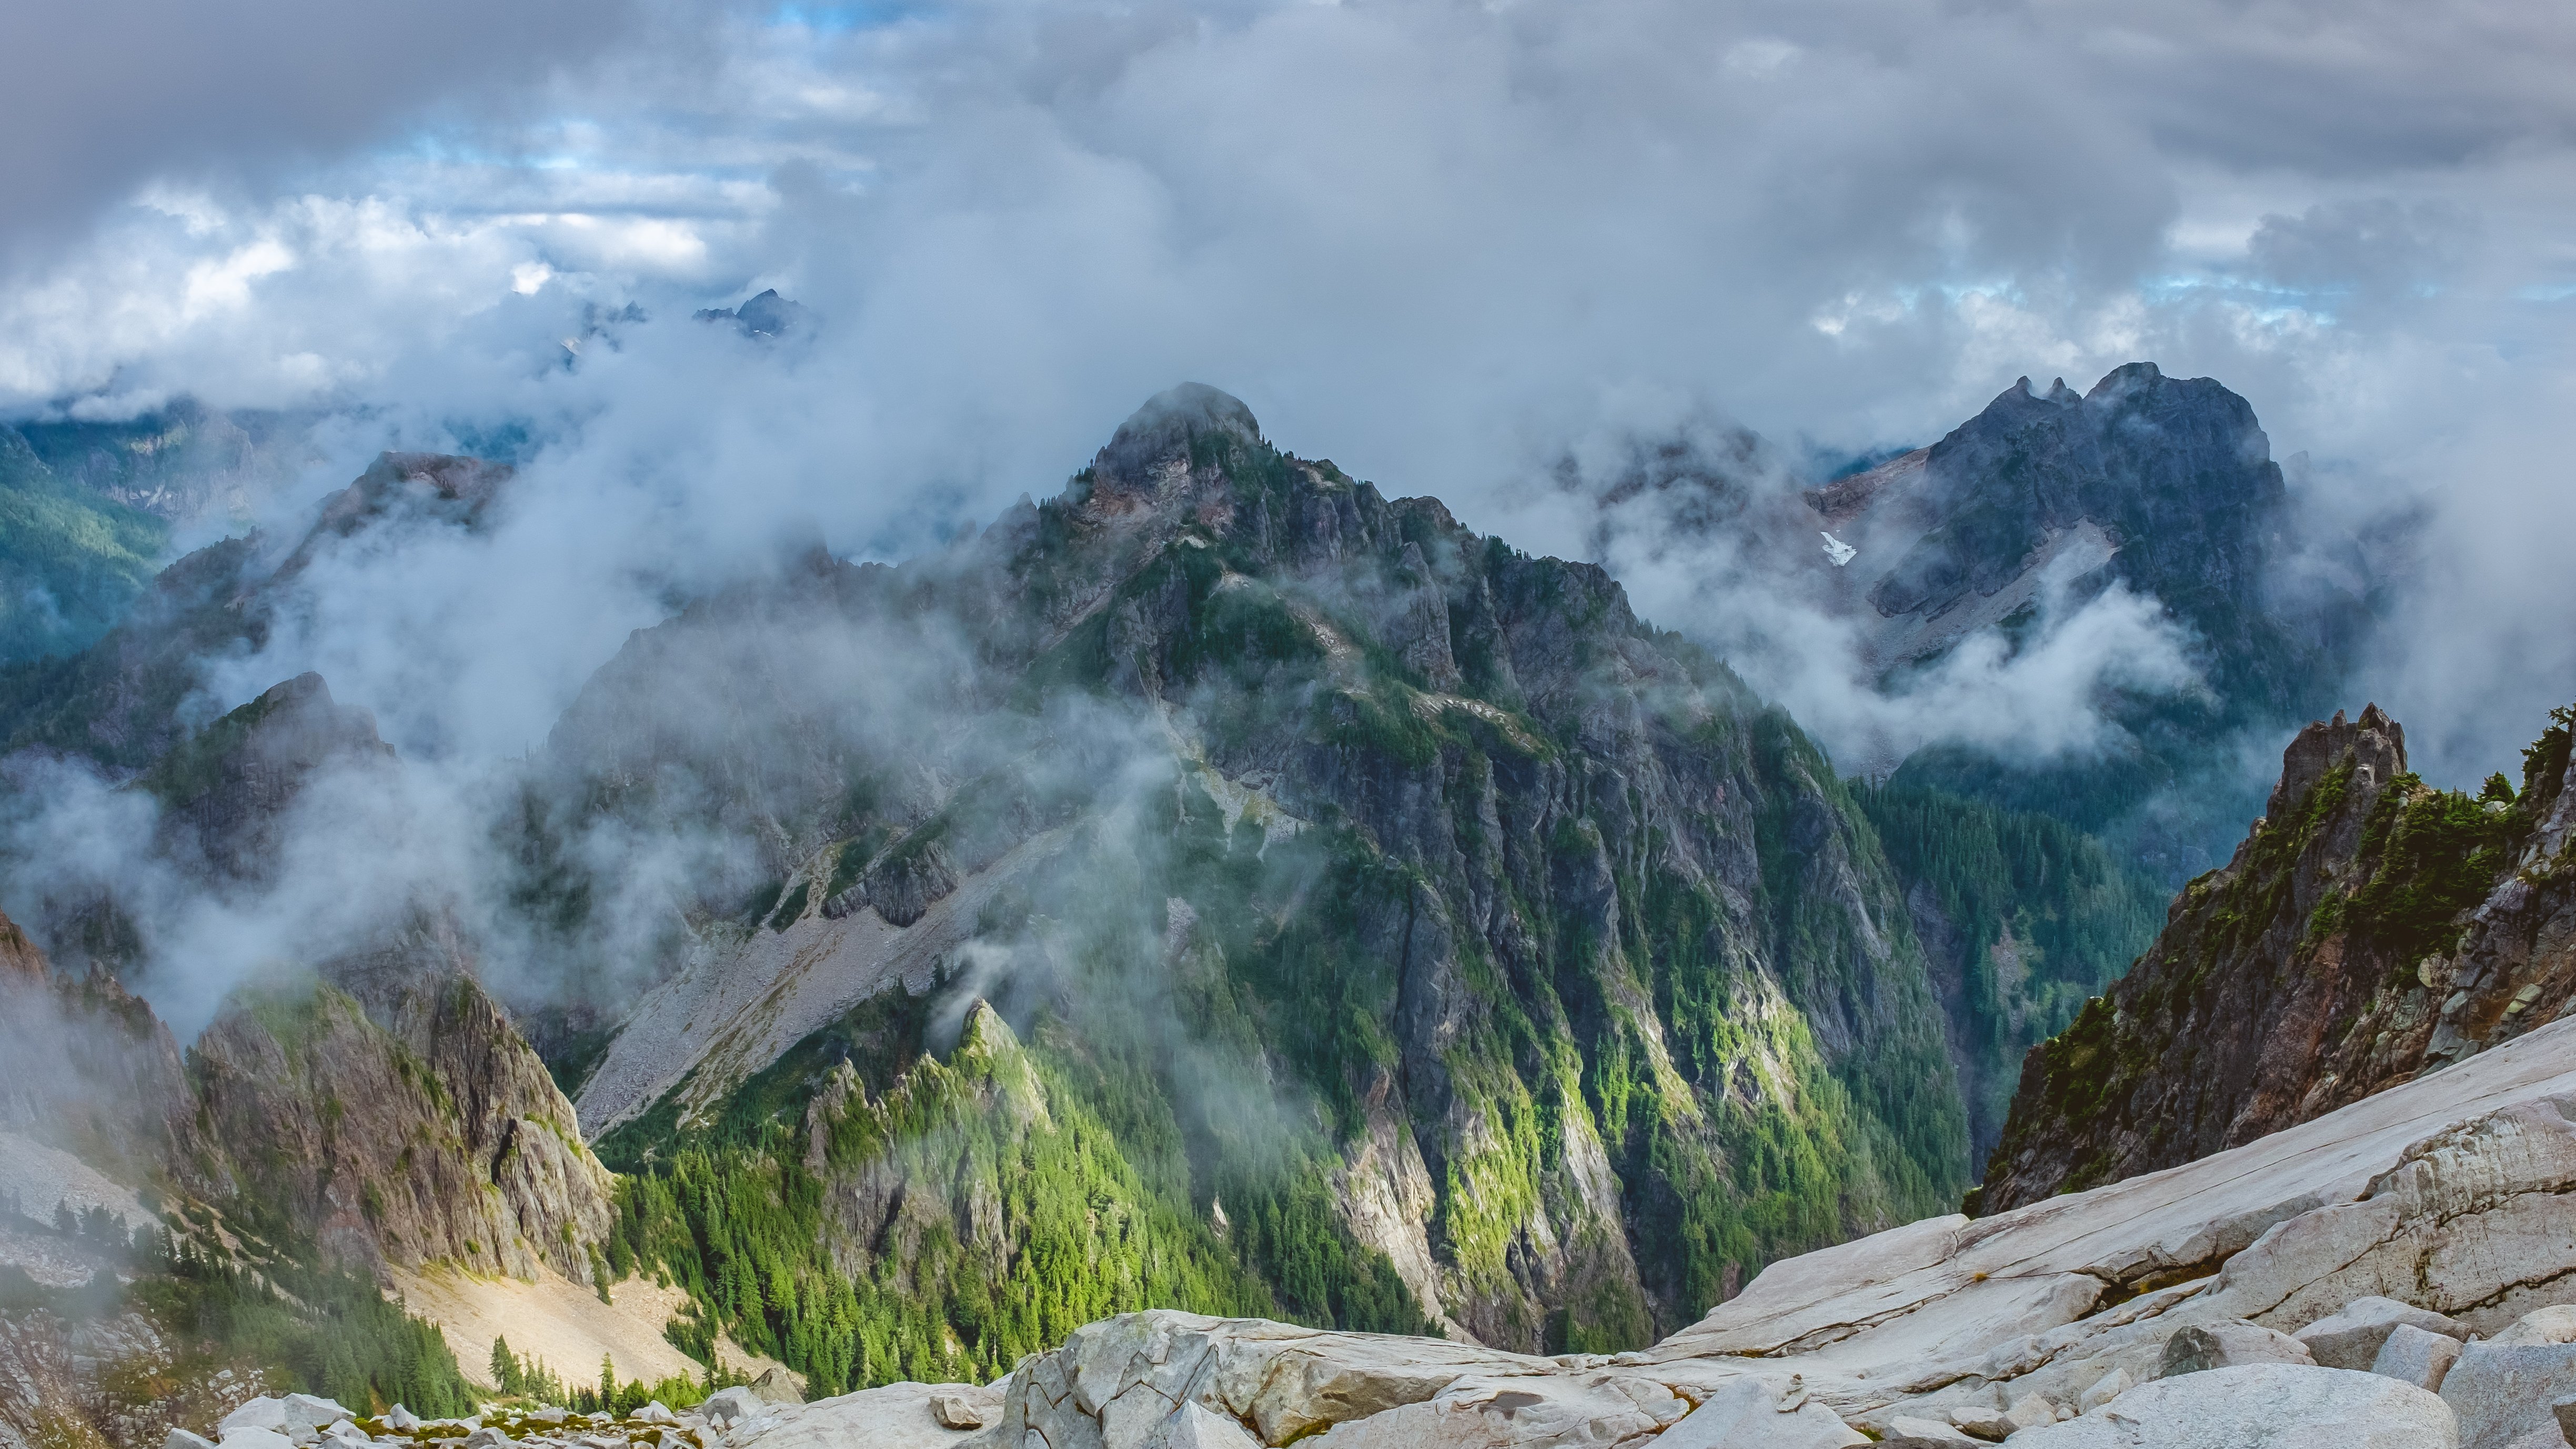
2374 745
2370 928
1165 428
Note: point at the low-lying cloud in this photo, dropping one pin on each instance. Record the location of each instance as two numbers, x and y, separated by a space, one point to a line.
1439 244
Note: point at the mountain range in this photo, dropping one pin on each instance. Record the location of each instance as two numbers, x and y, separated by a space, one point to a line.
1224 887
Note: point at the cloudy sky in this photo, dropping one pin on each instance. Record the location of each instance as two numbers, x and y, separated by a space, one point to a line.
1437 242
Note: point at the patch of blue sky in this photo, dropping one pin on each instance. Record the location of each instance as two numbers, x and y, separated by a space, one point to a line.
842 19
2546 292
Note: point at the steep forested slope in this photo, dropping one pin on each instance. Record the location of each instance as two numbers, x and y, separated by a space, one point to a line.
71 560
1399 897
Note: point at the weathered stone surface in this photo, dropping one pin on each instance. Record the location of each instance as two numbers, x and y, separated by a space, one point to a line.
1194 1427
2258 1406
253 1437
1930 1431
1984 1421
261 1413
1516 1413
2411 1355
2350 1338
2228 1345
1760 1413
898 1416
2542 1325
2502 1393
2104 1389
956 1411
182 1439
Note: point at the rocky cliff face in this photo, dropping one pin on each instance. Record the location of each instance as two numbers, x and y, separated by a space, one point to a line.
1573 956
91 1070
2369 928
439 1138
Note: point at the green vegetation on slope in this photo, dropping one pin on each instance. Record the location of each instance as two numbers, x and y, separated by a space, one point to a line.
2039 917
303 1323
71 561
976 1211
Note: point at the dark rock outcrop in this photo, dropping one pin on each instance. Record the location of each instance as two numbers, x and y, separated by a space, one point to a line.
2370 928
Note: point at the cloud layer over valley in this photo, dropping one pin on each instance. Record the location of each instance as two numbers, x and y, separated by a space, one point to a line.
1449 246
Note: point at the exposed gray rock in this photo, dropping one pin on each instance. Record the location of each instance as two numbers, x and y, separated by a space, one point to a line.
1984 1421
260 1413
2556 1324
1930 1431
2229 1344
2416 1357
2254 1406
2110 1386
726 1405
2350 1339
1760 1413
179 1438
1194 1427
2502 1393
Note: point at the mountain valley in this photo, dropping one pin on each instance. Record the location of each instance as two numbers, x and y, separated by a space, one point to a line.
1224 893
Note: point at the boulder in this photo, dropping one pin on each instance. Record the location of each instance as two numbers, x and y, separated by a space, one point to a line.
2030 1411
253 1438
488 1437
2547 1325
2260 1406
403 1420
2502 1393
2351 1338
956 1411
263 1413
656 1412
313 1412
182 1439
1983 1421
2228 1343
724 1406
1929 1431
2416 1357
2106 1388
1761 1413
776 1387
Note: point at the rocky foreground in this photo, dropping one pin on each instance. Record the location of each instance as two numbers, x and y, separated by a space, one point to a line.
2398 1274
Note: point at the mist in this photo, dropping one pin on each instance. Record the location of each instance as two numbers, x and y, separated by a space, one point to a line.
1446 247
